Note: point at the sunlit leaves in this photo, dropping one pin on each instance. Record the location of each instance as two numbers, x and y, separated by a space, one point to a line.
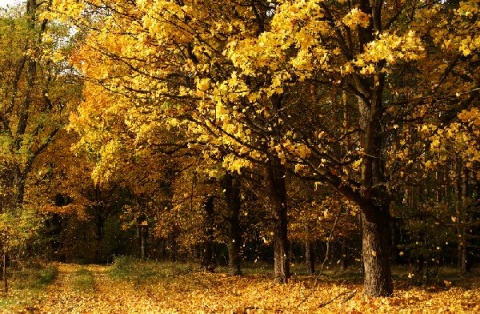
167 288
356 18
391 48
364 98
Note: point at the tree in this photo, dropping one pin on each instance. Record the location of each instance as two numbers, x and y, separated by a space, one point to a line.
365 49
35 101
175 92
37 90
232 190
334 92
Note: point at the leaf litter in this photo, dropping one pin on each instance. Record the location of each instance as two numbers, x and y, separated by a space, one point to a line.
198 292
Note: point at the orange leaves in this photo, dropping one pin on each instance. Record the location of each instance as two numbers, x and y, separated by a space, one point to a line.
415 301
169 289
471 117
203 84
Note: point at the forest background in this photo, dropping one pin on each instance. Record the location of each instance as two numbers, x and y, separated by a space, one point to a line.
341 133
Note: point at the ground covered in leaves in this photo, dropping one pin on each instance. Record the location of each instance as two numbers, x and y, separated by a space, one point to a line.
131 286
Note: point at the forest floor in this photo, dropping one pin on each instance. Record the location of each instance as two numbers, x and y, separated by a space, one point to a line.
148 287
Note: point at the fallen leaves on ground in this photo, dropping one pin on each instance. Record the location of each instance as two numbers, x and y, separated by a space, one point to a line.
198 292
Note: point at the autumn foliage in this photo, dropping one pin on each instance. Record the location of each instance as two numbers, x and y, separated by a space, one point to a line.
130 286
331 133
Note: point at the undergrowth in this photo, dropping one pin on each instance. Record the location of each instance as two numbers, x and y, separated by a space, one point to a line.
140 272
84 280
26 283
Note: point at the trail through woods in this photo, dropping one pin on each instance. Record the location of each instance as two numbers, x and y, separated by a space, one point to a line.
107 295
198 292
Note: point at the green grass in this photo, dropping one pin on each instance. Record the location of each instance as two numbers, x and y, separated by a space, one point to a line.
33 278
150 272
140 272
84 280
26 284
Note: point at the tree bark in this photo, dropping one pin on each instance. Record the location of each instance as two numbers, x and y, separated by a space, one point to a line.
142 243
209 228
278 197
233 200
376 251
343 255
309 257
4 272
172 245
463 219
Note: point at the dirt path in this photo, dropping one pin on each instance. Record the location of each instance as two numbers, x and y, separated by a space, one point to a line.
107 296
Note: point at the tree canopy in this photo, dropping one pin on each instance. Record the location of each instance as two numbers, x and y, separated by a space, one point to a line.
282 118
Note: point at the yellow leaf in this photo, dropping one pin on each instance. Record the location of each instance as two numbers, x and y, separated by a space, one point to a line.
203 84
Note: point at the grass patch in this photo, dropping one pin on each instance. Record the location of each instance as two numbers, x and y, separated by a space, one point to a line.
33 278
84 280
140 272
25 285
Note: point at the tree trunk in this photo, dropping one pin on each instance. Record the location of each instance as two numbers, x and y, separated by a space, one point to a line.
278 198
172 245
142 243
464 220
460 215
20 181
360 226
343 255
376 251
309 257
4 272
209 228
142 229
375 198
233 200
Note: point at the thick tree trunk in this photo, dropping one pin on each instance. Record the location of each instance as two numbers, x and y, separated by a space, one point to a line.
376 251
234 258
208 263
233 200
278 198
